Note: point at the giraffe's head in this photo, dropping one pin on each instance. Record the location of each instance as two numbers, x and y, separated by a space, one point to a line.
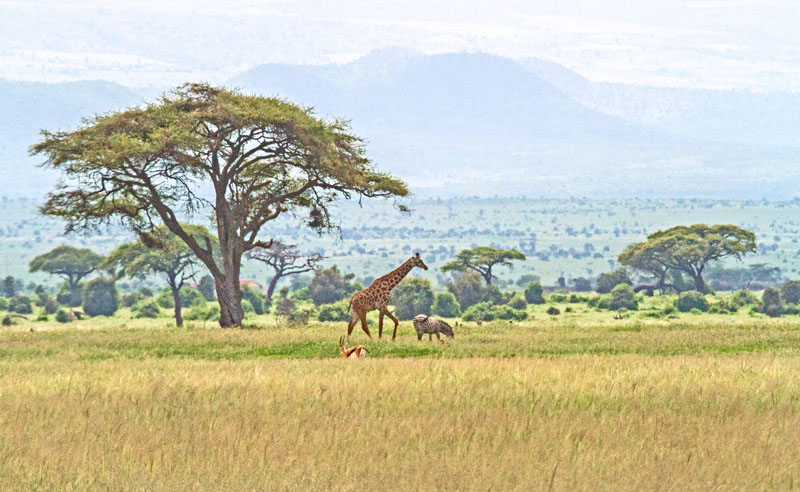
417 262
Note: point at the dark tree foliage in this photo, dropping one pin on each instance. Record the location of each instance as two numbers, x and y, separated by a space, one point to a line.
608 280
206 287
9 287
691 299
482 260
284 259
687 249
20 305
534 293
411 297
329 285
468 288
73 264
790 292
445 305
243 160
101 298
771 302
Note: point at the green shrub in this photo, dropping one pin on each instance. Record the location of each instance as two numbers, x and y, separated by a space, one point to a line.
247 307
445 305
302 294
557 297
165 300
669 310
743 298
147 309
607 281
695 311
100 298
691 299
203 313
3 303
207 288
518 302
20 304
335 311
129 300
191 297
411 297
771 302
62 316
791 309
50 306
534 293
42 317
622 297
790 292
256 299
553 311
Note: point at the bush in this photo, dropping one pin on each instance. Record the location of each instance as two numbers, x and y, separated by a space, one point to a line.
50 306
42 317
145 291
62 316
607 281
3 303
772 304
207 288
553 311
336 311
129 300
302 294
487 312
203 313
445 305
411 297
790 292
622 297
191 297
468 288
328 286
533 293
600 302
743 298
518 302
165 300
20 305
557 297
247 307
695 311
147 309
691 299
100 298
256 299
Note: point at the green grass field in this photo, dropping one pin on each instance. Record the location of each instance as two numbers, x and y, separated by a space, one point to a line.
576 402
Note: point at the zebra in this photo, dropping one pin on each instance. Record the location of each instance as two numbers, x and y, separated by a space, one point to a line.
424 323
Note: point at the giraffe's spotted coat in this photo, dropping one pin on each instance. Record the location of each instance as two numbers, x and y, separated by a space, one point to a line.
378 296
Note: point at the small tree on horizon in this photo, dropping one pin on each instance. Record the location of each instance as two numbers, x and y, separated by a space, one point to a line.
73 264
285 259
482 260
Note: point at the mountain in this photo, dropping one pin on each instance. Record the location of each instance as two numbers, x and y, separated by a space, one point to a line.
28 107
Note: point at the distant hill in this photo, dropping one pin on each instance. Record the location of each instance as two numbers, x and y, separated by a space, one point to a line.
28 107
477 124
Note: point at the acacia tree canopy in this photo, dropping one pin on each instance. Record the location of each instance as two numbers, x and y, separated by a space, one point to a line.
70 262
689 249
482 259
245 160
285 259
159 252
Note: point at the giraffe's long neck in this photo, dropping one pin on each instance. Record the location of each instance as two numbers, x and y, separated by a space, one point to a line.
398 274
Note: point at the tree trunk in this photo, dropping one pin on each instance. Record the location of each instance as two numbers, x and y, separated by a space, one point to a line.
488 276
176 297
699 283
229 296
272 283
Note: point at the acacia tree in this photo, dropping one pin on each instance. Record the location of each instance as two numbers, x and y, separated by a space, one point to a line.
243 160
74 264
689 249
159 252
482 260
285 259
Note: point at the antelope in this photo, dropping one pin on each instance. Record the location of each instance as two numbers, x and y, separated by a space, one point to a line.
354 352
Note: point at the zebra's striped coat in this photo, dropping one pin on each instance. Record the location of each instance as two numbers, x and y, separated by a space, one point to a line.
424 323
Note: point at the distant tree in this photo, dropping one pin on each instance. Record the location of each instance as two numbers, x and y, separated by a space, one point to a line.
790 291
20 304
9 287
329 285
691 299
468 289
689 249
608 280
446 305
527 278
771 302
582 284
206 287
101 298
411 297
622 297
73 264
482 260
534 293
162 252
245 160
285 259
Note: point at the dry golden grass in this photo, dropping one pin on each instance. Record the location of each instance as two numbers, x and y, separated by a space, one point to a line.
579 422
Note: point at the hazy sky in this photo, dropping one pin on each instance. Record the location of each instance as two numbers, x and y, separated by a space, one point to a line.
700 43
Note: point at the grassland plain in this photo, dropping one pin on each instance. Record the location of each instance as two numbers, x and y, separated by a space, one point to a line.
588 403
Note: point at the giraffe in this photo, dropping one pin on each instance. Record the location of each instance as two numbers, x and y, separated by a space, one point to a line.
378 295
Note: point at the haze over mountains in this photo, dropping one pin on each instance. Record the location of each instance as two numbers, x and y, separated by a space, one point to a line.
477 124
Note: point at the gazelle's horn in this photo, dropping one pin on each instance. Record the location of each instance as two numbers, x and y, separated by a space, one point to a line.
341 341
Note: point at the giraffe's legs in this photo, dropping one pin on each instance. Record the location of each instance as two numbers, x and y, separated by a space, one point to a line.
363 316
352 323
380 324
391 316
